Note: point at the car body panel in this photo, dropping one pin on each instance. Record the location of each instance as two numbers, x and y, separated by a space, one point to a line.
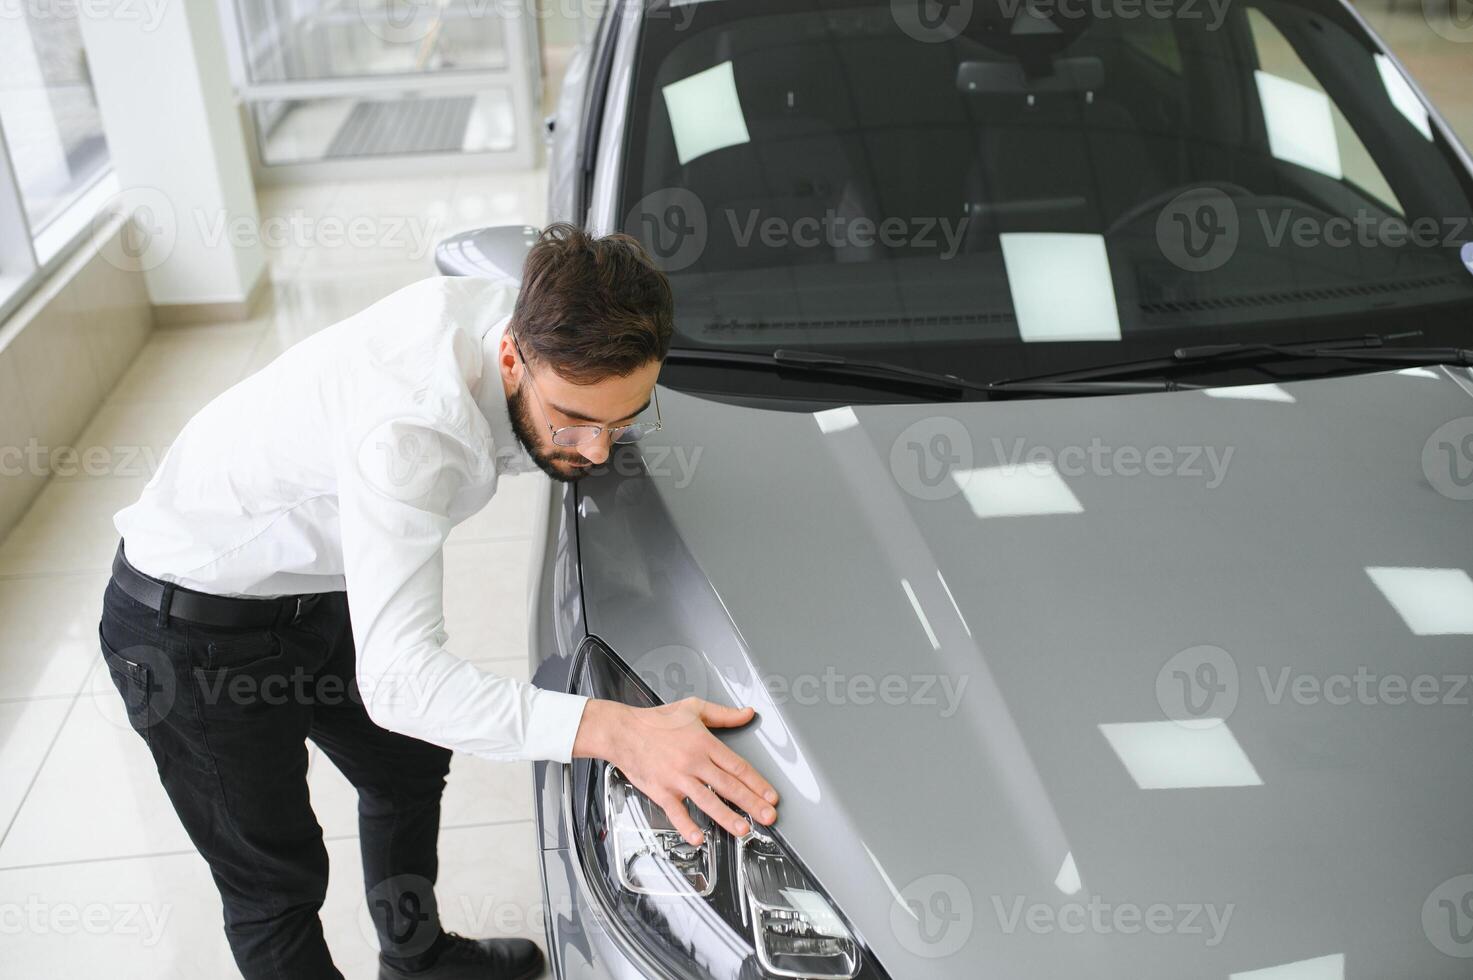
1049 625
556 627
579 946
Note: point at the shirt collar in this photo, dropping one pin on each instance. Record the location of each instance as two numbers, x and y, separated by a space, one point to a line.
511 456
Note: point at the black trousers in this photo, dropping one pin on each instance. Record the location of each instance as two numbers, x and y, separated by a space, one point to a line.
226 714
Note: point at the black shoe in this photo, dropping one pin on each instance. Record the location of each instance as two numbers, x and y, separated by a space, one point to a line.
460 958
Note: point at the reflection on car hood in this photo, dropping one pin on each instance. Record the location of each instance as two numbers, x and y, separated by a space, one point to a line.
968 629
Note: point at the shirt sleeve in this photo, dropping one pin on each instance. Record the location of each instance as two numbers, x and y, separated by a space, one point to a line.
395 484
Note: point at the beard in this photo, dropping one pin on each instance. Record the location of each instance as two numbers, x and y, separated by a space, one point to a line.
562 465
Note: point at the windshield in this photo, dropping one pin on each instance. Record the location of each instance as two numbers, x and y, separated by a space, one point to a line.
1022 188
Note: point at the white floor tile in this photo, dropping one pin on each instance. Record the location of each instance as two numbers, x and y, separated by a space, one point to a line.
48 634
189 364
498 199
377 222
283 199
27 729
69 528
155 918
486 598
124 439
509 515
306 303
98 795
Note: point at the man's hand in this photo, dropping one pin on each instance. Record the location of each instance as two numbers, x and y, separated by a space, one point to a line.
668 754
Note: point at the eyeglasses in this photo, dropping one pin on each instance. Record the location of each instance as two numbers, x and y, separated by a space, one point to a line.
581 435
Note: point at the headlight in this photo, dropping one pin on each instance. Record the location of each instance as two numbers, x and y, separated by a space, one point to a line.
797 931
726 910
650 856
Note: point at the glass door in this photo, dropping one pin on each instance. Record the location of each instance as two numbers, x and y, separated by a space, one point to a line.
344 86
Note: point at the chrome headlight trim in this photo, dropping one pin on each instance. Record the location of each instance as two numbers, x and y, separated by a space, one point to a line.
707 931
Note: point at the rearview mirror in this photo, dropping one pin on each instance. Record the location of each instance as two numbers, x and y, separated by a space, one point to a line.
1082 74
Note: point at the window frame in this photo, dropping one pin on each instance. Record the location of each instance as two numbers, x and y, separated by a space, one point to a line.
19 264
28 257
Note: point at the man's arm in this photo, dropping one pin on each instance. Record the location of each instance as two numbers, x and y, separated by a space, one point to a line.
394 495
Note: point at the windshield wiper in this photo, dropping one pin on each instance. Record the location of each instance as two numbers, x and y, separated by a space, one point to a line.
1028 386
835 364
828 364
1110 379
1370 347
1456 356
1211 352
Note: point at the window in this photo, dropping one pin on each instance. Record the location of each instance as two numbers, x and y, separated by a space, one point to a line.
333 84
53 129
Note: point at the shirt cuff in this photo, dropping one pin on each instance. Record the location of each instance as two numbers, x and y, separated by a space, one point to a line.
552 725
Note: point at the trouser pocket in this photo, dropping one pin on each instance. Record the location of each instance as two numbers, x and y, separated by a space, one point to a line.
146 681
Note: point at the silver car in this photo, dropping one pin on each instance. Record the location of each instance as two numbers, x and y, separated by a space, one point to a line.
1068 449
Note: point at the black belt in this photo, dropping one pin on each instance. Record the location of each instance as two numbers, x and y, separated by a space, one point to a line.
171 600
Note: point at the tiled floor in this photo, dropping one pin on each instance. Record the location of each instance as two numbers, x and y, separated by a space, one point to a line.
91 854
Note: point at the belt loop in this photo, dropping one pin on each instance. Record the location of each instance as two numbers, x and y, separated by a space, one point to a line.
165 601
305 605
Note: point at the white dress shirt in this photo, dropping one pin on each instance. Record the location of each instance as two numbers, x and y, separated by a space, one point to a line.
343 465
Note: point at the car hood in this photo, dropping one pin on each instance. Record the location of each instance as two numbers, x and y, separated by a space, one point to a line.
1146 686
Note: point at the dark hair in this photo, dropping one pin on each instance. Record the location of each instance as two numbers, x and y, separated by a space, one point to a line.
592 308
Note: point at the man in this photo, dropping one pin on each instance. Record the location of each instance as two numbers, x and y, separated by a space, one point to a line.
281 579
